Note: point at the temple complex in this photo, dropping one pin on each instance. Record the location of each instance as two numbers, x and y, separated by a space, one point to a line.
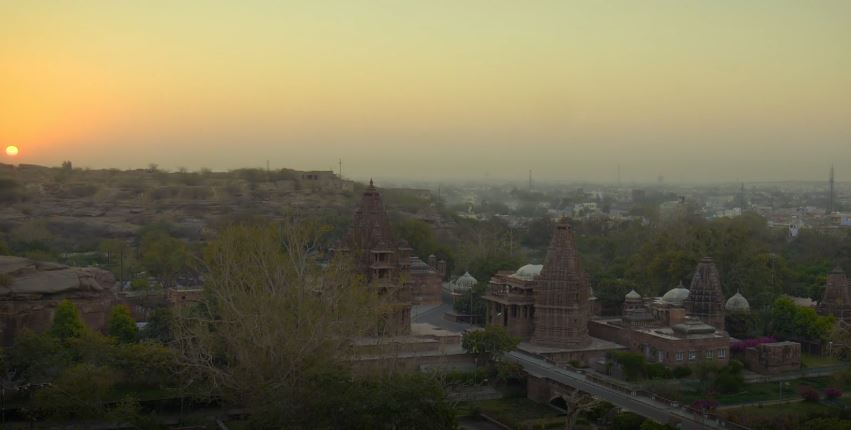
384 262
836 300
548 306
706 298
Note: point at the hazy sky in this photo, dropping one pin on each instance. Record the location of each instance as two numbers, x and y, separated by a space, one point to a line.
711 90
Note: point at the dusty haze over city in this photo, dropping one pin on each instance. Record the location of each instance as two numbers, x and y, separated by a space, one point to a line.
692 91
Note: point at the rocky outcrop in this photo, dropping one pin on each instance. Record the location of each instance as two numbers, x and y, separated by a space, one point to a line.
30 291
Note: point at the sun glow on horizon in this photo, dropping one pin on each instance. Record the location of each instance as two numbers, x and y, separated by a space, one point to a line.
12 150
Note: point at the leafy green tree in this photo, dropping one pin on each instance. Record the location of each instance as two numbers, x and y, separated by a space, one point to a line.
632 364
147 364
493 340
121 325
653 425
790 321
627 421
66 321
79 393
37 357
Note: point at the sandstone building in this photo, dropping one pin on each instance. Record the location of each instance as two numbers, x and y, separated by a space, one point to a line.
836 300
706 298
382 260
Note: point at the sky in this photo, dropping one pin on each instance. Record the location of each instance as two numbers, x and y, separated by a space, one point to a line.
711 91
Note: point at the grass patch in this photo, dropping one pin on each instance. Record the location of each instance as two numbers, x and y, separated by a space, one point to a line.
762 392
789 413
816 361
518 413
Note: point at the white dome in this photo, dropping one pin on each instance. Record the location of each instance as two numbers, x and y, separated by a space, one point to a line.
737 303
465 282
633 295
676 296
528 272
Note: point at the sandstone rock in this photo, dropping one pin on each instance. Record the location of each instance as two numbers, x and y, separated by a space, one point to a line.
37 287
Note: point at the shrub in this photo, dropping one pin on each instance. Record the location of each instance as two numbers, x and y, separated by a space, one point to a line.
121 325
681 372
632 364
627 421
832 393
809 394
657 371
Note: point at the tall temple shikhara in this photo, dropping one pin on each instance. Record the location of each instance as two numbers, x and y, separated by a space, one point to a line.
561 294
836 300
706 298
382 260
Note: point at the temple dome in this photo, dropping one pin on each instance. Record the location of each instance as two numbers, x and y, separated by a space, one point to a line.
528 272
465 282
737 303
632 295
676 296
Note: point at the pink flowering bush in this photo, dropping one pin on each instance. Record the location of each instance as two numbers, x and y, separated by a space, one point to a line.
832 393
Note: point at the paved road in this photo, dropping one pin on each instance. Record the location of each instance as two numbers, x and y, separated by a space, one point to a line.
433 314
643 406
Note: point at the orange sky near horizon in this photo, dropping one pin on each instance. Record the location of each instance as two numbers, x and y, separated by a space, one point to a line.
704 91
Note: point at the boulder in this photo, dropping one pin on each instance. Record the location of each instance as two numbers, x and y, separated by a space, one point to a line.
31 290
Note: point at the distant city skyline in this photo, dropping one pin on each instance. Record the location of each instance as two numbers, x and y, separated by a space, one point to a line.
692 91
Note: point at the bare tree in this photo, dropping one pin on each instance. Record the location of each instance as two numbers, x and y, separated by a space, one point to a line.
273 315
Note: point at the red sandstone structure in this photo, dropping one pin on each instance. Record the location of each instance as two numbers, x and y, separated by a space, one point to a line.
706 298
772 358
836 300
382 260
426 280
546 304
561 294
31 290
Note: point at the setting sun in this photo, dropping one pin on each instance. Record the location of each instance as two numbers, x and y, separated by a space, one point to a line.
11 151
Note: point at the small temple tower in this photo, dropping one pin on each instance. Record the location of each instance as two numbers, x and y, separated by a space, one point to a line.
836 300
382 260
706 298
561 294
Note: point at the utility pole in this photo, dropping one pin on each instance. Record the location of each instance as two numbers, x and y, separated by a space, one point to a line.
619 175
830 196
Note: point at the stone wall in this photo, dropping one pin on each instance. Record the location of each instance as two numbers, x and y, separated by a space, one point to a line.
772 358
